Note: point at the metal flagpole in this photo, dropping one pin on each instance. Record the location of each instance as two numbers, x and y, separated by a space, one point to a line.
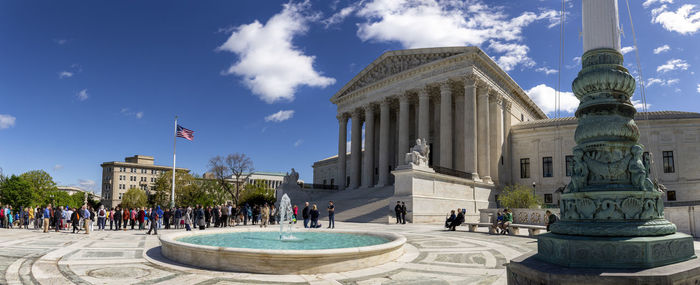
172 194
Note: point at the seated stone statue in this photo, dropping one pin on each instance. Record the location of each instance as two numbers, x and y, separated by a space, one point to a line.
419 154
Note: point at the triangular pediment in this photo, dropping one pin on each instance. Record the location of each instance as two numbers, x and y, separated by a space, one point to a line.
395 62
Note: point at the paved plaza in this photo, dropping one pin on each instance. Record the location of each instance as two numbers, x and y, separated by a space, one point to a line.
433 256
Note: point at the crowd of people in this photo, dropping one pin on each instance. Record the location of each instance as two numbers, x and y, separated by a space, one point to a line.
58 218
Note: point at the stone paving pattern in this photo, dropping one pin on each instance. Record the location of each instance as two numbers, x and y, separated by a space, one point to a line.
433 256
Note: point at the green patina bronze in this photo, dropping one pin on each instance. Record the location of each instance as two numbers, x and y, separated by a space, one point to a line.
612 213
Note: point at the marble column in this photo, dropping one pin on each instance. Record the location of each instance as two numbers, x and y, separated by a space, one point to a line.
445 125
470 134
482 148
342 150
368 161
356 150
495 134
384 122
423 114
458 132
403 127
507 152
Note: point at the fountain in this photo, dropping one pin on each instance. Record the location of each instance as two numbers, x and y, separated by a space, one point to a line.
286 215
250 249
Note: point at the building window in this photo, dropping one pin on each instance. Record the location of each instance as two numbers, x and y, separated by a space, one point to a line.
548 198
524 168
569 164
332 181
547 166
671 195
120 195
668 162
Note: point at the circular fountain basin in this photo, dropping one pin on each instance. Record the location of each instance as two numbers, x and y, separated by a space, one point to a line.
261 251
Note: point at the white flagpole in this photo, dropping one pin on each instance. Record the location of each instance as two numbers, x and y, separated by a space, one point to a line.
172 194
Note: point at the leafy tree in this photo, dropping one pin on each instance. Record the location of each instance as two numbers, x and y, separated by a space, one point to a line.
257 193
134 198
42 185
62 198
519 196
16 192
213 190
183 182
237 166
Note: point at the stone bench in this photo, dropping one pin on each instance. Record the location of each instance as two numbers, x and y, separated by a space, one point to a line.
474 226
532 230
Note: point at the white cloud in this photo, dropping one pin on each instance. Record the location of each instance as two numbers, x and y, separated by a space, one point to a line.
87 184
698 90
544 95
449 23
513 54
271 66
298 142
661 82
57 167
65 74
339 16
7 121
648 3
626 50
127 112
663 48
577 62
685 20
546 70
60 41
639 106
280 116
82 95
673 64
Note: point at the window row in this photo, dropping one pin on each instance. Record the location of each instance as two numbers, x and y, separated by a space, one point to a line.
138 170
548 170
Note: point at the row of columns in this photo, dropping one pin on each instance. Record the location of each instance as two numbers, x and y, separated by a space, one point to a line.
483 133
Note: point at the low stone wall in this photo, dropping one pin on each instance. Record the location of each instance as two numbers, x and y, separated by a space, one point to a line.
430 196
520 216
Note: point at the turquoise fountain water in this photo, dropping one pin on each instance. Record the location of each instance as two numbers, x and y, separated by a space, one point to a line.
271 240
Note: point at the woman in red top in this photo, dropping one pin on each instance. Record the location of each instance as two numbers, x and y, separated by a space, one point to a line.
125 216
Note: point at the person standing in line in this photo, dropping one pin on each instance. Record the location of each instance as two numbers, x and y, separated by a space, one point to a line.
47 217
126 216
141 216
166 218
86 219
249 213
403 212
296 213
57 217
117 219
273 213
207 216
39 217
265 216
101 216
177 217
153 217
111 218
224 216
314 217
188 219
397 210
305 214
133 214
75 220
93 218
331 215
244 211
200 217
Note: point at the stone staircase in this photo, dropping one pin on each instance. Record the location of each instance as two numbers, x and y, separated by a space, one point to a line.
366 205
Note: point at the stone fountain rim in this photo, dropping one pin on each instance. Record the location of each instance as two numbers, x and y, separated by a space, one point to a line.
395 241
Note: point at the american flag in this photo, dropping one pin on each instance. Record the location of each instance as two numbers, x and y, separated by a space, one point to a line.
185 133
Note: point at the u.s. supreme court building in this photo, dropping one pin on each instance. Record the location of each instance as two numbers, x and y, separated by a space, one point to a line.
484 132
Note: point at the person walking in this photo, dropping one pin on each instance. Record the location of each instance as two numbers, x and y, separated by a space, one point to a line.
331 215
397 210
305 214
403 212
153 217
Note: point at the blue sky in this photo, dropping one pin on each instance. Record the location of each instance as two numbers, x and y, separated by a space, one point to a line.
84 82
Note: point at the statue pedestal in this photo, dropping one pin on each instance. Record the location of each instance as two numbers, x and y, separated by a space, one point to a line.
527 269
